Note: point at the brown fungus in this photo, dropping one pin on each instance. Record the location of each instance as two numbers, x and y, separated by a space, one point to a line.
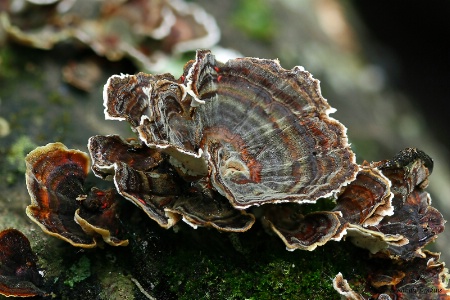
145 31
413 224
261 133
367 199
201 206
165 198
302 231
420 278
413 217
343 288
19 274
151 191
55 177
98 215
83 75
107 150
363 202
390 215
226 137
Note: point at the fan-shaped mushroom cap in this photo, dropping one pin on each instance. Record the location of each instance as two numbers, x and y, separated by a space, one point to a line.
414 217
55 176
366 201
262 133
19 275
151 191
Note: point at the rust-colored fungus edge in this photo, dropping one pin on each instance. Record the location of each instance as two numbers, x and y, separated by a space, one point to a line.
55 177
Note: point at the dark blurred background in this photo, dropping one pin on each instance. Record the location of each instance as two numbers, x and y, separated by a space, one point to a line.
412 41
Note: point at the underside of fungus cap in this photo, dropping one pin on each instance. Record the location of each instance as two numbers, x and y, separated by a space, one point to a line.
105 151
98 215
298 230
201 206
165 198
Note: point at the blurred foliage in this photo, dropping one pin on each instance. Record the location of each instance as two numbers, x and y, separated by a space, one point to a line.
254 18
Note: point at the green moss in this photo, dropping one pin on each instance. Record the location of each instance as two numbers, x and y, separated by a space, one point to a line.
19 149
276 279
79 271
56 98
269 273
7 63
15 158
254 18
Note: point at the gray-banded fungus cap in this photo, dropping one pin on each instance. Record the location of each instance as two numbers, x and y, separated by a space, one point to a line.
261 133
365 201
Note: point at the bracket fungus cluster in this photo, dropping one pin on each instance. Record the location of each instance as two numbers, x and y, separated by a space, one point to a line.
221 140
140 30
422 278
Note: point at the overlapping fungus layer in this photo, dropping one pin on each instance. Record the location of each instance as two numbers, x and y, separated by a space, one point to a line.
223 139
